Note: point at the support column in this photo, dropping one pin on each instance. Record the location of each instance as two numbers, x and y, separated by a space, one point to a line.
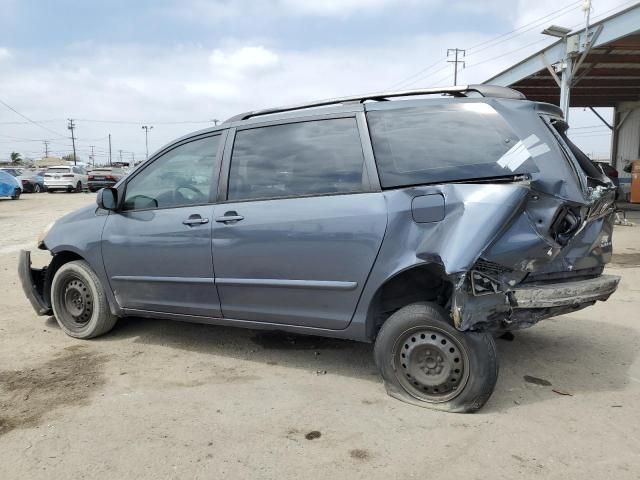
565 87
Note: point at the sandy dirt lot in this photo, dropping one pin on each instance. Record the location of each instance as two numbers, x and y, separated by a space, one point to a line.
160 399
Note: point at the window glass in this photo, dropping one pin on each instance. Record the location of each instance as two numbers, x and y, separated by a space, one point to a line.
307 158
437 143
59 170
182 176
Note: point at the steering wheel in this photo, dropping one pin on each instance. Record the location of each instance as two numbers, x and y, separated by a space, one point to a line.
200 197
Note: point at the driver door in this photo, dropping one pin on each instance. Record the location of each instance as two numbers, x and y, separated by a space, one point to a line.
157 247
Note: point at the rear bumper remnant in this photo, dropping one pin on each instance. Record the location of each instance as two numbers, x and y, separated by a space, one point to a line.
565 293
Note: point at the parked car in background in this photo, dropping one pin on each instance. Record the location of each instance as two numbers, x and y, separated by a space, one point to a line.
70 178
104 177
9 186
32 181
610 172
26 184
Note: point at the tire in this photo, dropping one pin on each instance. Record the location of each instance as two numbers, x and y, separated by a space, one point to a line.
78 187
36 188
426 361
79 302
16 194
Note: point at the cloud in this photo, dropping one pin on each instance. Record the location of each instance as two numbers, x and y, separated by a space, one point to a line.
243 59
5 53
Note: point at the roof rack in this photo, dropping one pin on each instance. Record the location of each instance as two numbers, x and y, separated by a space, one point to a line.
456 91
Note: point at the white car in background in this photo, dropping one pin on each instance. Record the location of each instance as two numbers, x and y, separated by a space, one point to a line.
70 178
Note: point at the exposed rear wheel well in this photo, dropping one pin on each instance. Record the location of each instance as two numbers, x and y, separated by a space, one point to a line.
421 283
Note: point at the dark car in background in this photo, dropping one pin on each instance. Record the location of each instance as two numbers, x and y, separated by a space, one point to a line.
104 177
33 181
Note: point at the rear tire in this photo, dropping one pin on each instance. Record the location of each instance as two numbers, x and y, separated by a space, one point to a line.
426 361
79 302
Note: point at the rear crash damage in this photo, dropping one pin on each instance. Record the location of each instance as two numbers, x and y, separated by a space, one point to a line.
533 253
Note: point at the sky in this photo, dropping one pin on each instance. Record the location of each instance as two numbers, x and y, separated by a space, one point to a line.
114 66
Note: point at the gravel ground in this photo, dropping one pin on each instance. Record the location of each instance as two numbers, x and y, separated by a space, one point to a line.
160 399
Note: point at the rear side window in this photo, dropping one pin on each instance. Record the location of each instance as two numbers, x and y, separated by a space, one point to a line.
307 158
439 143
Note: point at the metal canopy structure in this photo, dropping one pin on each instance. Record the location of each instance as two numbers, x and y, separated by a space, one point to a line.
594 67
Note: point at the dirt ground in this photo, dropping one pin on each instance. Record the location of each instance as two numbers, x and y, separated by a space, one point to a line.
160 399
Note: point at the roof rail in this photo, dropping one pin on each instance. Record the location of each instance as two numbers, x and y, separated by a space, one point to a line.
457 91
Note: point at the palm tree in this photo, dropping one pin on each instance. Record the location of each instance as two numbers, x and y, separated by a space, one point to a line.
15 158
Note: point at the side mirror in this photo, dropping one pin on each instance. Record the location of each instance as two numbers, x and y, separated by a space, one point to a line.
107 198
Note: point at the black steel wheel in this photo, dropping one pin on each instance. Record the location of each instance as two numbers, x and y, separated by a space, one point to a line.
431 364
79 302
424 360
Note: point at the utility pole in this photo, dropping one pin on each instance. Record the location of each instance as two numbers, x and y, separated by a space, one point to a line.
133 159
456 51
215 121
71 126
146 129
109 149
93 158
120 156
46 148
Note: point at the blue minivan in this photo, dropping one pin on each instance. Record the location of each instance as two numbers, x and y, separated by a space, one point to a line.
426 221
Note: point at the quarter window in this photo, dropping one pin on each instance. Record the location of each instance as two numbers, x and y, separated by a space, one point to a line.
307 158
182 176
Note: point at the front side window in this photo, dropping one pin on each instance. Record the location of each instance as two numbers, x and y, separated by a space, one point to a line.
307 158
182 176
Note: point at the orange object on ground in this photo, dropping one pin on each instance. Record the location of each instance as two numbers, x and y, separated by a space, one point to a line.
635 182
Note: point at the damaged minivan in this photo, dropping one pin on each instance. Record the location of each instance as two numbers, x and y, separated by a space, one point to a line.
425 221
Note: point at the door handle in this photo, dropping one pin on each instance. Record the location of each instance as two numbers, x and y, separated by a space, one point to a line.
229 217
195 220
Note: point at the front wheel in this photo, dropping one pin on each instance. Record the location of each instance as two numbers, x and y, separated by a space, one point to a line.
79 302
425 361
78 187
36 188
16 194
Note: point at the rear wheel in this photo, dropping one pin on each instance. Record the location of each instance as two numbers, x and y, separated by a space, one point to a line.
426 361
79 302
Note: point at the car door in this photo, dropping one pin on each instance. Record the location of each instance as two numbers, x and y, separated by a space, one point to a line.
301 225
157 246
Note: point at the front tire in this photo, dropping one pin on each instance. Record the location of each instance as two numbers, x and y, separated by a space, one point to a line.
36 188
79 302
16 194
426 361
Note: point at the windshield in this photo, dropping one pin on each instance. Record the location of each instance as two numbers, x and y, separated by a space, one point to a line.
59 170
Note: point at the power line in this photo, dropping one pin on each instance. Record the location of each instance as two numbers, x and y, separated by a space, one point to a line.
28 119
544 18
